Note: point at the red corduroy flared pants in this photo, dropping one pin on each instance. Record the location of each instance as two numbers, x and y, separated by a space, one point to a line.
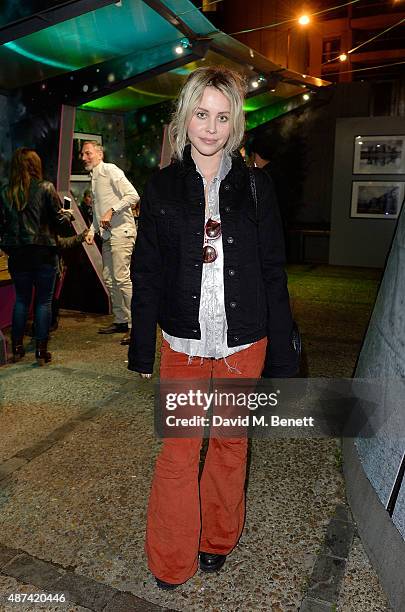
186 516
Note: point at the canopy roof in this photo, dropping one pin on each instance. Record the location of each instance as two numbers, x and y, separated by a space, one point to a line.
120 56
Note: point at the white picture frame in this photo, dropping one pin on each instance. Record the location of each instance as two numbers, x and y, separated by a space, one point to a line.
377 199
379 155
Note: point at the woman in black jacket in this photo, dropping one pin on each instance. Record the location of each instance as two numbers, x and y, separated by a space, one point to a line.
208 267
30 216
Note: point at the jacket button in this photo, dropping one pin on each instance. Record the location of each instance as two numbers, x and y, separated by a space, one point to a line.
195 331
227 187
162 211
231 272
196 265
232 304
194 297
227 209
198 233
229 240
236 338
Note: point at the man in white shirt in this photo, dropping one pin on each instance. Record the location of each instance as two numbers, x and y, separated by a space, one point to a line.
113 219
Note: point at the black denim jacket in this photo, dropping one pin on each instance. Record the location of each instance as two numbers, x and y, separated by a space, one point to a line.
167 264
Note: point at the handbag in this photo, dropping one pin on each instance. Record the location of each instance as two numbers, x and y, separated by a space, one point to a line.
295 332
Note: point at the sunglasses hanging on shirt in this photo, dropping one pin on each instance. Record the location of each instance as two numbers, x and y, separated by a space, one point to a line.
212 231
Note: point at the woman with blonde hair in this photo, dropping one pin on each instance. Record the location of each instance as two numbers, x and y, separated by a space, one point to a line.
30 215
208 267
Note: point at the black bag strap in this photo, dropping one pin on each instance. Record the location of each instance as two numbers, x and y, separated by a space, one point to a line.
295 334
253 187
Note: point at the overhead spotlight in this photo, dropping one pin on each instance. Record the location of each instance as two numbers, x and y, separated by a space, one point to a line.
184 44
304 20
258 81
343 57
306 97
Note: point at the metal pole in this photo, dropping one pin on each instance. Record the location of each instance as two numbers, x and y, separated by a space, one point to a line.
397 487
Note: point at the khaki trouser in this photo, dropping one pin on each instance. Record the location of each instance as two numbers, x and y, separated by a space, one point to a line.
117 252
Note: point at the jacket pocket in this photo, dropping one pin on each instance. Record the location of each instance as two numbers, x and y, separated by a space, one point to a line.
168 221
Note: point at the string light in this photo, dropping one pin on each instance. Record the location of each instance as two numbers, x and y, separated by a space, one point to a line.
368 68
377 35
294 20
343 56
304 20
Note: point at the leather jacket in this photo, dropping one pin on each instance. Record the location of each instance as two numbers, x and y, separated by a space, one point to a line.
167 264
36 223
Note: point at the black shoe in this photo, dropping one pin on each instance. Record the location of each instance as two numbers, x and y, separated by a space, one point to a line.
126 339
41 353
210 562
115 328
165 586
18 349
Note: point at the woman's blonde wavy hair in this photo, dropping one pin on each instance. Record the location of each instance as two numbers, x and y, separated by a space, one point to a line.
231 84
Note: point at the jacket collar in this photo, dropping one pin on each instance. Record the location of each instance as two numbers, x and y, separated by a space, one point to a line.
187 164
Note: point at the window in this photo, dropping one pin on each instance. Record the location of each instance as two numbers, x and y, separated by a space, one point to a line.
382 98
330 49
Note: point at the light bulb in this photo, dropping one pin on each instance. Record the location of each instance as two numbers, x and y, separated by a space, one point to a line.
304 20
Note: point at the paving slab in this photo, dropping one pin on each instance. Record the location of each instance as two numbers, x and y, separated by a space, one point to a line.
326 578
10 587
312 605
26 569
338 539
6 555
35 401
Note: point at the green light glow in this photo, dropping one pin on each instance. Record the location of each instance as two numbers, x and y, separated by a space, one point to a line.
39 58
124 100
264 115
263 100
148 94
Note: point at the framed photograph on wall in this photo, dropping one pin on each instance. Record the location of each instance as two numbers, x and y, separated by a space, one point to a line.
77 172
379 155
78 188
377 199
